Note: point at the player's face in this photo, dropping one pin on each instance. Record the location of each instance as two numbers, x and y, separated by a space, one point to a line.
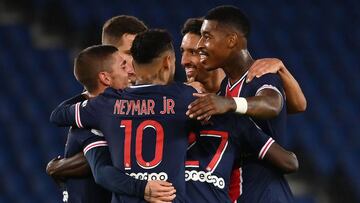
212 46
190 58
124 48
120 70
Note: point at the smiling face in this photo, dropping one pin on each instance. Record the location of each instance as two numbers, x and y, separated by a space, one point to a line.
190 58
213 45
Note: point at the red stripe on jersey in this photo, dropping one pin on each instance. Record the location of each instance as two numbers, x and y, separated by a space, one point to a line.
235 89
235 188
191 163
191 138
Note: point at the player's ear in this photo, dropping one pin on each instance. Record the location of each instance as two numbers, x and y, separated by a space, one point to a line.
166 62
232 40
104 78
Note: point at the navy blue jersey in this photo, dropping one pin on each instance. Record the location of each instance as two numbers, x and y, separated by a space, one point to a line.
82 190
260 182
146 129
212 156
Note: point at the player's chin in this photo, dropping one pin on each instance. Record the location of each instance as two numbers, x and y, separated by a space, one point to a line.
207 65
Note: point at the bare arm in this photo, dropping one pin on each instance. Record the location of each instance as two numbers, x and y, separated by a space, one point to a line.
296 101
266 104
72 167
284 160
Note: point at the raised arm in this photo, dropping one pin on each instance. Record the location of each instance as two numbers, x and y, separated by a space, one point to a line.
83 114
296 101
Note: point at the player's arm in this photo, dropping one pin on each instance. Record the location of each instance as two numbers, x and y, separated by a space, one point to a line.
296 101
81 114
117 181
72 167
265 105
266 148
284 160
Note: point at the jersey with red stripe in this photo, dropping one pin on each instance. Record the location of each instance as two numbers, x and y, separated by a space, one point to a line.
219 144
84 189
258 181
146 129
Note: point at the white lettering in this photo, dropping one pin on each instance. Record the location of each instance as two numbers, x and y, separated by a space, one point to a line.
203 176
152 176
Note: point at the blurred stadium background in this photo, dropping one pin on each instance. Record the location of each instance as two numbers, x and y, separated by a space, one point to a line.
319 41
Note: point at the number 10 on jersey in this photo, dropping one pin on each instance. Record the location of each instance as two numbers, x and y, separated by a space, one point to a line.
138 136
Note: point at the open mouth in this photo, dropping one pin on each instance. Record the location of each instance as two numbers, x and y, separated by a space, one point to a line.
203 56
190 71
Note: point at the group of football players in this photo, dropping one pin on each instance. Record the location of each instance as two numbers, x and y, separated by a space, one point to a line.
138 136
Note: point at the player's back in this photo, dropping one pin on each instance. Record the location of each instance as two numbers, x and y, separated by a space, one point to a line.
82 190
146 129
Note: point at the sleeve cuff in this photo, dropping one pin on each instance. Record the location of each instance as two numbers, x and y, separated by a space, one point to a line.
265 148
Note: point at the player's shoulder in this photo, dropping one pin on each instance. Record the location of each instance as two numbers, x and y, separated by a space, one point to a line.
183 87
111 92
81 135
183 90
266 78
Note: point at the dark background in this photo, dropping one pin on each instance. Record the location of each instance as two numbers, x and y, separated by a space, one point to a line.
317 40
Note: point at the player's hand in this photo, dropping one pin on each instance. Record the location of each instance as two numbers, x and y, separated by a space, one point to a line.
51 171
157 191
197 85
52 165
207 105
264 66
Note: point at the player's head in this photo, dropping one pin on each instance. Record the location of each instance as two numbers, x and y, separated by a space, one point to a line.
190 58
225 30
101 66
120 31
154 57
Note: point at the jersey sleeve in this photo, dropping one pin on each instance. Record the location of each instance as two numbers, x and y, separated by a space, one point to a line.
252 137
111 178
268 81
187 93
81 114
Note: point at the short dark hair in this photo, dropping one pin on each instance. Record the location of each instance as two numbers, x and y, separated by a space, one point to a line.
117 26
193 26
150 44
90 62
230 15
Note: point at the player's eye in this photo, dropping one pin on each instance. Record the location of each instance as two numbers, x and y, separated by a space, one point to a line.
194 52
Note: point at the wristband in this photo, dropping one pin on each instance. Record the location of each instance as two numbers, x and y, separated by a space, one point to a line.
241 105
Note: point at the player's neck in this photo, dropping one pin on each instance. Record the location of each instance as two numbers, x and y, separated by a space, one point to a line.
150 78
238 64
96 92
212 83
